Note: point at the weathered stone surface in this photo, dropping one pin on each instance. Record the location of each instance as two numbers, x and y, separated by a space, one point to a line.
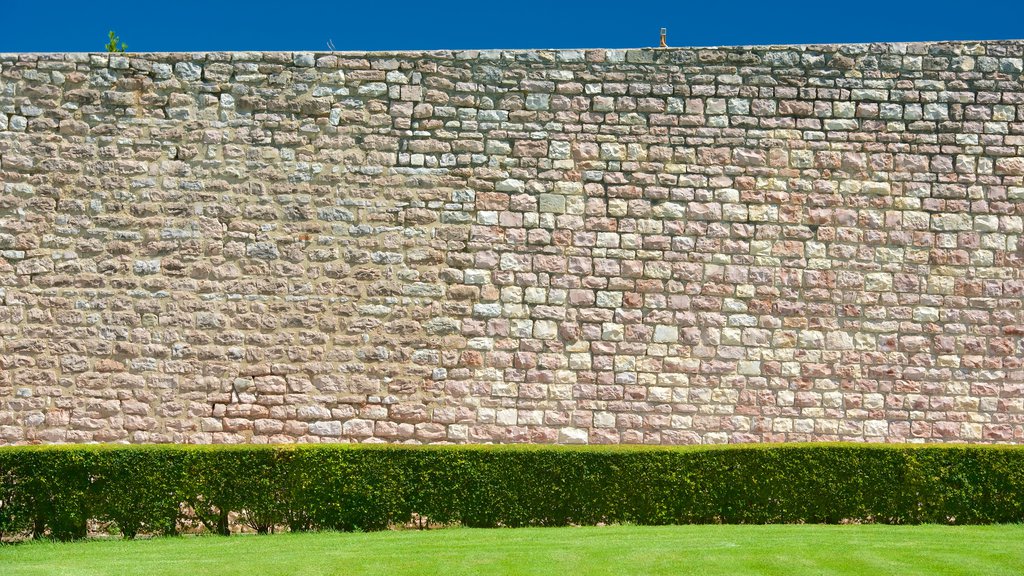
188 70
1010 166
659 246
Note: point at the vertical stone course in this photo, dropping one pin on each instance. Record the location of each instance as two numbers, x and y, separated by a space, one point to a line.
675 246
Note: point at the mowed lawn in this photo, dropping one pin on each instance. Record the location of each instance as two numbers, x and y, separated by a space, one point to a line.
734 550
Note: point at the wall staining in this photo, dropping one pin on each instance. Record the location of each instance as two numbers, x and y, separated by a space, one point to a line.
647 246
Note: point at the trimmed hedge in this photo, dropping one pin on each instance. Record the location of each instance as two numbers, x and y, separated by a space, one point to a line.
54 491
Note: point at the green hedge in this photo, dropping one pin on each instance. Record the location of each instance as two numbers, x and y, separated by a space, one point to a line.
54 491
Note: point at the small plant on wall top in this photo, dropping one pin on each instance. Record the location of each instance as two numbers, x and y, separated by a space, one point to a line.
112 46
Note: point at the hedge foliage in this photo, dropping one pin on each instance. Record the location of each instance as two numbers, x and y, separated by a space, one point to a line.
55 491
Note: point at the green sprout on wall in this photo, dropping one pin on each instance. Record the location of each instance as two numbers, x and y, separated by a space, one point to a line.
112 45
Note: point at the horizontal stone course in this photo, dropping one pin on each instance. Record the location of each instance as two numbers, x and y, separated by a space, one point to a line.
657 246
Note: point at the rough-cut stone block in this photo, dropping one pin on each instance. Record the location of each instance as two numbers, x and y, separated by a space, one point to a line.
666 334
554 203
1010 166
530 148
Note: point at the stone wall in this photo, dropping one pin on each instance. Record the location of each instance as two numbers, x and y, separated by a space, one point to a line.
605 246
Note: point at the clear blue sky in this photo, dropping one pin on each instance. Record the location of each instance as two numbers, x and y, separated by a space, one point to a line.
189 25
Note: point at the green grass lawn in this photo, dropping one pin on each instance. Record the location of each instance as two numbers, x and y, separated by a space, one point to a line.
733 550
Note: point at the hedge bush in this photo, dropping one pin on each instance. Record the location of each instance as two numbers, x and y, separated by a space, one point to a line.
54 491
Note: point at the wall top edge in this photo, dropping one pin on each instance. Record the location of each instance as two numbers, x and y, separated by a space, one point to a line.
866 47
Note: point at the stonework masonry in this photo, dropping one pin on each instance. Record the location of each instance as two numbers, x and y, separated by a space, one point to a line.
656 246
